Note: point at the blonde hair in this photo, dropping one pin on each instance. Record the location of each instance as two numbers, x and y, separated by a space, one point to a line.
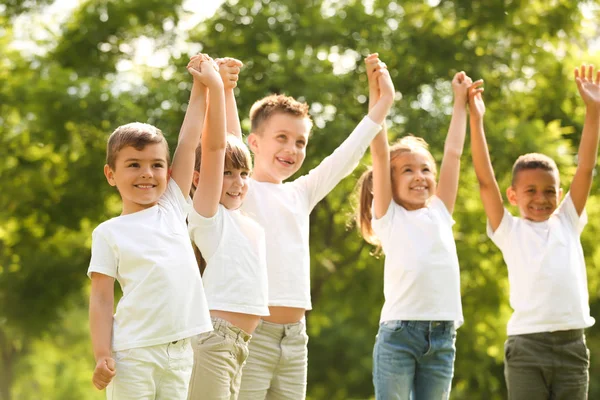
364 188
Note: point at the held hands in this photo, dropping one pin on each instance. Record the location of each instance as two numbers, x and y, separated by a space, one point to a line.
589 89
460 85
204 69
229 69
378 76
104 372
476 104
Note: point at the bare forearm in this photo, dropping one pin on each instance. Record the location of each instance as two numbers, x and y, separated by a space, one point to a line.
101 321
381 109
215 125
233 119
480 154
588 148
191 128
455 141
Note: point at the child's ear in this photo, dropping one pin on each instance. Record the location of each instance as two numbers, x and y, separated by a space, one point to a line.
560 194
196 178
110 175
253 139
511 194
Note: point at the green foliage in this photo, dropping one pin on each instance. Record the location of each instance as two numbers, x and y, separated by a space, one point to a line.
57 108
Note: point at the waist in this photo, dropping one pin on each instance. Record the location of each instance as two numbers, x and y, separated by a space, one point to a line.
246 322
226 328
284 315
556 337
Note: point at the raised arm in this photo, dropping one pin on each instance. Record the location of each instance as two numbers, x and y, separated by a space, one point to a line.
229 69
101 323
380 83
214 142
489 191
182 169
455 140
589 90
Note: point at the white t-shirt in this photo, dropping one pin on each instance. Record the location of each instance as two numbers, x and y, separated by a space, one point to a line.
283 211
421 275
150 254
233 246
546 271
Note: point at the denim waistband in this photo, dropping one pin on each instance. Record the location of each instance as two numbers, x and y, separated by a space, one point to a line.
228 329
556 337
424 326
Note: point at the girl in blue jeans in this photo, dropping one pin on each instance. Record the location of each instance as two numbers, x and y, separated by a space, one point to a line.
406 213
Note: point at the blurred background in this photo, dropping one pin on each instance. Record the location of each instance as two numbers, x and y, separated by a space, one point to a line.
73 70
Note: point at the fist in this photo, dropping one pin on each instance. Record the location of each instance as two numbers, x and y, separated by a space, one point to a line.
104 372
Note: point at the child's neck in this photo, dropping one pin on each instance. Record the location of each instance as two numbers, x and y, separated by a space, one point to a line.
264 176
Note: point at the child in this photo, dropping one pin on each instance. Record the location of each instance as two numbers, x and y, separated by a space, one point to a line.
277 364
144 351
233 245
545 353
403 210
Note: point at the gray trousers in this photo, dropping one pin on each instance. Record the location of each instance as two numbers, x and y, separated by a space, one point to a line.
547 365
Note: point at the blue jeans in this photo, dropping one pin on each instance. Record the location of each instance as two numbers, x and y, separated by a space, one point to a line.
414 360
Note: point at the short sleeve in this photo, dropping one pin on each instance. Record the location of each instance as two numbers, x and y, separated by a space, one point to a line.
501 235
567 212
104 257
437 205
206 232
382 227
175 197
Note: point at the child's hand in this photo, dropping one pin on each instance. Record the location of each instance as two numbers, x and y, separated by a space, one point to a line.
206 71
460 86
589 90
386 86
476 104
374 67
104 372
229 68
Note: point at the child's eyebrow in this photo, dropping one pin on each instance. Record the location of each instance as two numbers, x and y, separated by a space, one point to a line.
138 159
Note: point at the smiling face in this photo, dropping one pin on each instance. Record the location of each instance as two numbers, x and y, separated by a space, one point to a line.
140 176
536 192
279 147
413 178
235 187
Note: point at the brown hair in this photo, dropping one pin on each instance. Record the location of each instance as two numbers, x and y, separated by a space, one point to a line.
364 188
137 135
533 161
266 107
237 156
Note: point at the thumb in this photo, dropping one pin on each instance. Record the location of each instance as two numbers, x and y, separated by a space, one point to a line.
110 363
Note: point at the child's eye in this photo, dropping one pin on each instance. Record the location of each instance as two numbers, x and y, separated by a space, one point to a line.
426 170
245 174
134 165
300 144
227 173
281 137
407 170
159 165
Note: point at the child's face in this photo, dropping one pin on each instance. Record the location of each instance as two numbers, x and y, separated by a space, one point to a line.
279 150
235 187
413 179
536 192
140 176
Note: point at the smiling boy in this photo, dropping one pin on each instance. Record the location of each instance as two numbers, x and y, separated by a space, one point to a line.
545 353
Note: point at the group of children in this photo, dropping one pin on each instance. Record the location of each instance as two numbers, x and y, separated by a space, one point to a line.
238 329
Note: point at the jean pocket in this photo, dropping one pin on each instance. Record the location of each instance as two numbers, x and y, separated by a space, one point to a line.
393 326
